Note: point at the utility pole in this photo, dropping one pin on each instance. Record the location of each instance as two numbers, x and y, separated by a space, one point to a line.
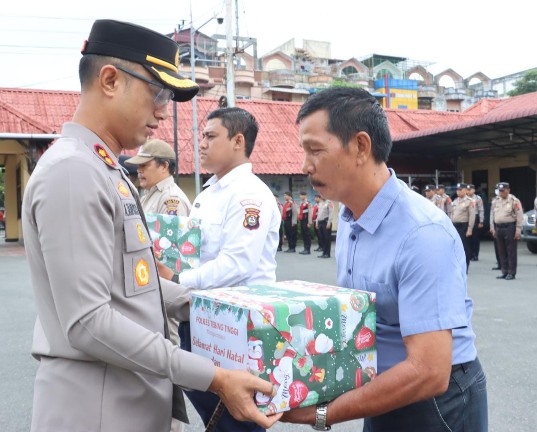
230 76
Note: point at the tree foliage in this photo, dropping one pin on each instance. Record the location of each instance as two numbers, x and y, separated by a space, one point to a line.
526 84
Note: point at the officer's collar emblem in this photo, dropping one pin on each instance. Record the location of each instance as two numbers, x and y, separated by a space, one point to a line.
103 154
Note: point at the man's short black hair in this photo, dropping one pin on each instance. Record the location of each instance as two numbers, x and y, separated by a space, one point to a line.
238 121
352 110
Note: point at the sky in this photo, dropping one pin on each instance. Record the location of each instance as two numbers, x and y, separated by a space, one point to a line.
40 41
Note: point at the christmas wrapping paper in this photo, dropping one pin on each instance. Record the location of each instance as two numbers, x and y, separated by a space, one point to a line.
312 341
176 240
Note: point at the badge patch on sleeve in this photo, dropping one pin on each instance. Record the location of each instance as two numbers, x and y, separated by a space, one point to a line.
103 154
251 218
171 206
141 273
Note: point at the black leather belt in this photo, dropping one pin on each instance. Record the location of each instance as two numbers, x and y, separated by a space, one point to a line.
504 225
460 223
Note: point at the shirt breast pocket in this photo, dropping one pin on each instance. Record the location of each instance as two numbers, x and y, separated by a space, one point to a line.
387 303
138 261
211 235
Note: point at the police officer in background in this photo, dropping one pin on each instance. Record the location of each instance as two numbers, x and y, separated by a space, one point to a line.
445 202
463 217
324 224
290 217
430 194
475 240
506 216
314 222
155 163
305 215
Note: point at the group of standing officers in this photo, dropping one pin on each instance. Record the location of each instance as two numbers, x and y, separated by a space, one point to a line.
318 216
467 212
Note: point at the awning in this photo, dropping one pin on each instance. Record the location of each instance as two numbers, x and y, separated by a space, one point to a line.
286 90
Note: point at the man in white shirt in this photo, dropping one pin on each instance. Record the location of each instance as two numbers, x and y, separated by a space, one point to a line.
240 224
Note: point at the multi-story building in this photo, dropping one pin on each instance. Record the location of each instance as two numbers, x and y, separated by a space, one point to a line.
291 73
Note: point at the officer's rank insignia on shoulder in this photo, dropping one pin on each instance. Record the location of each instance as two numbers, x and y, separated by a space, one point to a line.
171 206
251 218
103 154
122 189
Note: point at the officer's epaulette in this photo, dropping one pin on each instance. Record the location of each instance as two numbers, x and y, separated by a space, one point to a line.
104 156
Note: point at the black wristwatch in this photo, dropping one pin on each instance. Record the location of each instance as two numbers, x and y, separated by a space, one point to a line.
320 418
175 278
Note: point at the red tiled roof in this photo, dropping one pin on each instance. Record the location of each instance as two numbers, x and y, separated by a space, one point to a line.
496 110
14 120
277 150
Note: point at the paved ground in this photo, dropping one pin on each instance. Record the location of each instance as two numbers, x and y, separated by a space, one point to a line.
505 320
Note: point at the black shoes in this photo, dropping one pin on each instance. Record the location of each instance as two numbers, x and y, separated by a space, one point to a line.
324 256
279 249
305 252
496 268
474 258
319 249
506 276
290 251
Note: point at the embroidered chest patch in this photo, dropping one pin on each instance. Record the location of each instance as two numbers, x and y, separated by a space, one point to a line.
123 190
141 272
251 218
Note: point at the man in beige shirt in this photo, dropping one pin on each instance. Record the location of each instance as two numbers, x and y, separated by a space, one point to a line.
506 218
431 195
479 218
156 165
463 217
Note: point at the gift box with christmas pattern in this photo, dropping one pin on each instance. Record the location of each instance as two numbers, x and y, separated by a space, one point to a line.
313 341
176 240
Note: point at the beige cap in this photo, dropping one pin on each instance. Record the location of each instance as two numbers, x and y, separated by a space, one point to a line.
152 149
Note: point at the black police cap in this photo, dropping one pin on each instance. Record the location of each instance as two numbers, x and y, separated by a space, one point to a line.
502 186
429 187
154 51
462 186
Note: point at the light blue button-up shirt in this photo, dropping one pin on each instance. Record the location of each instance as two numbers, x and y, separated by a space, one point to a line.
407 251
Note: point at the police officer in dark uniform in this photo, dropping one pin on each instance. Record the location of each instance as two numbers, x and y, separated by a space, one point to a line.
290 218
305 215
506 216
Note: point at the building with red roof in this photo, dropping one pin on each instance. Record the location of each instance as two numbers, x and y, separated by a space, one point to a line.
491 141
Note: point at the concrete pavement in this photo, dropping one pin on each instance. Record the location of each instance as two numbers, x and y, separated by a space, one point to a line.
505 321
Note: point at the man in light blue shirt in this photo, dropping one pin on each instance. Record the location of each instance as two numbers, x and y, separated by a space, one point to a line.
429 376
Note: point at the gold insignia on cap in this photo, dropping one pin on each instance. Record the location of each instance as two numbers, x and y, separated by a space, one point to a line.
141 235
103 154
175 82
177 59
122 189
162 63
141 273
